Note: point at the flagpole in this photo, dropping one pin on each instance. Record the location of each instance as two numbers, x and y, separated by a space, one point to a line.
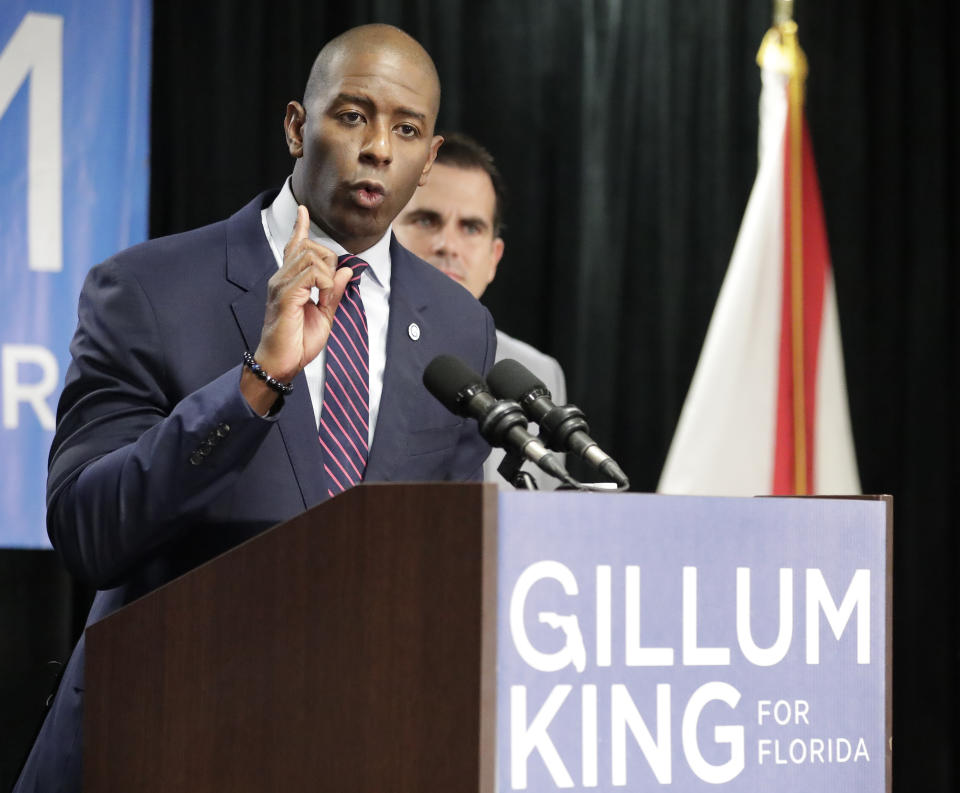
795 65
795 99
782 12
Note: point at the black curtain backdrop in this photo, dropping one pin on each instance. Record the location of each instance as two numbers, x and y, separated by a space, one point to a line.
627 134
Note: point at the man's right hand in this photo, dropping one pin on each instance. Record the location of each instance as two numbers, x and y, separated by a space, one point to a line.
295 329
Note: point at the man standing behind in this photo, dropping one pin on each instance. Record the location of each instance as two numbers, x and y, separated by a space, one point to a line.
454 221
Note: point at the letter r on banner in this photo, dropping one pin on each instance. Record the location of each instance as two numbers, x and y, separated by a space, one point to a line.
34 394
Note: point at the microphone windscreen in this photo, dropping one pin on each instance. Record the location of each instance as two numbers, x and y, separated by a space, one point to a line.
509 379
446 376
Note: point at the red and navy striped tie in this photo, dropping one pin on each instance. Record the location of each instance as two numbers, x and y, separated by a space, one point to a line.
345 414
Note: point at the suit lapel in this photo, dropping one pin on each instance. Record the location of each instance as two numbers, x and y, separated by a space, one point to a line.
406 360
250 263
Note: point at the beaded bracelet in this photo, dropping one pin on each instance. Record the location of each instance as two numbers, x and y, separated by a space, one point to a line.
281 388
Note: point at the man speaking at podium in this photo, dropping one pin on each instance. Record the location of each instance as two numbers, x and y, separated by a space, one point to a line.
226 379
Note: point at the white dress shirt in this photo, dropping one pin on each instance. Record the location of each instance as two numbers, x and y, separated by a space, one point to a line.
278 221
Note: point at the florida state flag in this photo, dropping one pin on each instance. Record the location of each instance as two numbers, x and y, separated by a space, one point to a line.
767 408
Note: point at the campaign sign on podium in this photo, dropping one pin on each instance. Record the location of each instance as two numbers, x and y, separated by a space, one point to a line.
694 643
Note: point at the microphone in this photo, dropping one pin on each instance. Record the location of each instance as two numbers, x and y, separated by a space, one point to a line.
563 429
501 422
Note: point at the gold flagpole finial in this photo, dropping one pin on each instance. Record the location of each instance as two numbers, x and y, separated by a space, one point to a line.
782 11
779 49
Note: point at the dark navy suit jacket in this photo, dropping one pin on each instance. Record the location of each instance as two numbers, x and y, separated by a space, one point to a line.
158 463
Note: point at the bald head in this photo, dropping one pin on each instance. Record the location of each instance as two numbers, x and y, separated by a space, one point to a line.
387 40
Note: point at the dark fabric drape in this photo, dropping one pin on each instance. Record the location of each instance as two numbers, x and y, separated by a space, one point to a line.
627 135
42 611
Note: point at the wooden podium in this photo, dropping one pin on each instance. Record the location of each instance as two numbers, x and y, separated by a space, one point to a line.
351 649
455 638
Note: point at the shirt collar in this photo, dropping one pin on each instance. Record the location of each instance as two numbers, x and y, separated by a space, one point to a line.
282 217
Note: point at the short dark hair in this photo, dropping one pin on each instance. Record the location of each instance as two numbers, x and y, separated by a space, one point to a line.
462 151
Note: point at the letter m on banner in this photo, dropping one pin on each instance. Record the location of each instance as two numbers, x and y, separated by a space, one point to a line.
35 52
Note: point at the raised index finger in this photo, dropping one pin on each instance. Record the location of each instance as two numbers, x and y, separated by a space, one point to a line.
300 228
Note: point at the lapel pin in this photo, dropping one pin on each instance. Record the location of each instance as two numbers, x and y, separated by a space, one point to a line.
413 331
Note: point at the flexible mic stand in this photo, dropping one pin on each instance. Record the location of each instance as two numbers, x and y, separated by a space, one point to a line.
510 470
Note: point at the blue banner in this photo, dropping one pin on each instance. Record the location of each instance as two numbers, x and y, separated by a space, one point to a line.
74 135
692 644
